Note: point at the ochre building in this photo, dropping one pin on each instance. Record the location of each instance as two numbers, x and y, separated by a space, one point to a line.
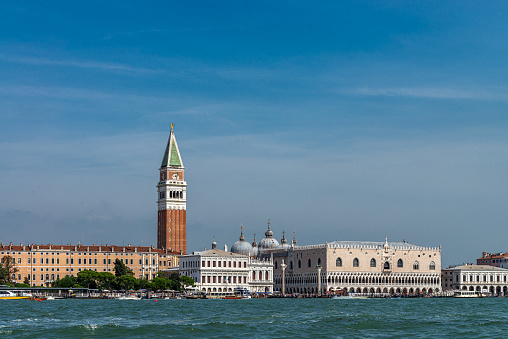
43 264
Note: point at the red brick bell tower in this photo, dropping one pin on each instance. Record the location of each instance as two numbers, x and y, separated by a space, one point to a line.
172 201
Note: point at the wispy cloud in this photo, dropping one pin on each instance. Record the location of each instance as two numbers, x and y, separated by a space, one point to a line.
426 92
89 64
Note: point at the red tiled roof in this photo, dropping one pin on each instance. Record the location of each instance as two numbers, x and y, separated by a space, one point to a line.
84 248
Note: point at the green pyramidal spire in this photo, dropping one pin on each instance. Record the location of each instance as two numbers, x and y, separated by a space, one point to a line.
172 154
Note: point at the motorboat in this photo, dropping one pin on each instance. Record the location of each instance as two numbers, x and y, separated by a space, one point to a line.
9 295
129 297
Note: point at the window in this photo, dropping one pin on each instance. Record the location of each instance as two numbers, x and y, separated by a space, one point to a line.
372 262
432 266
72 261
400 263
416 266
79 261
19 261
338 262
356 262
299 263
29 260
386 265
309 264
291 265
319 261
275 265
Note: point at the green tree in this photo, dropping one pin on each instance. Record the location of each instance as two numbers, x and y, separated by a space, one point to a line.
187 281
127 282
88 278
7 269
122 269
106 280
67 282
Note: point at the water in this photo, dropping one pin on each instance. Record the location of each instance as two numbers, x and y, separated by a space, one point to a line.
264 318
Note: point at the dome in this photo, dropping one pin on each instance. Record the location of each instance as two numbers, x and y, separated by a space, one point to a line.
283 243
268 242
242 246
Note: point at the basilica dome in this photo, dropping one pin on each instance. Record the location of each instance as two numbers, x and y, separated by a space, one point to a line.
283 242
268 241
242 246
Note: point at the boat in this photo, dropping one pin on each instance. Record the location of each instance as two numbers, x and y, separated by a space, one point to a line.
239 293
128 297
466 294
9 295
349 296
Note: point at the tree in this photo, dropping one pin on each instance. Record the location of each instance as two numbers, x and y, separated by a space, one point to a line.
121 269
127 282
88 278
67 282
7 269
187 281
106 280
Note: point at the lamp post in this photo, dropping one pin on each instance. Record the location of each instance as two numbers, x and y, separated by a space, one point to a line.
283 266
319 278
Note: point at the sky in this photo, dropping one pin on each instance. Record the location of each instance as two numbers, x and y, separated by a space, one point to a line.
340 120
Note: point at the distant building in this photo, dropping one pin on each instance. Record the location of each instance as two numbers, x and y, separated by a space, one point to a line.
493 259
216 271
43 264
353 266
479 278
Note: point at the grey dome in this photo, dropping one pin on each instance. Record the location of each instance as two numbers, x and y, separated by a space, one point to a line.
268 241
242 247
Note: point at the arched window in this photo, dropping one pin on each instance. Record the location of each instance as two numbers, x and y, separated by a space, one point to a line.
386 265
275 264
416 266
432 266
372 262
309 263
291 265
299 263
356 262
400 263
319 261
338 262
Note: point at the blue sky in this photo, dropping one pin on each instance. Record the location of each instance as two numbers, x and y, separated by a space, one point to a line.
343 120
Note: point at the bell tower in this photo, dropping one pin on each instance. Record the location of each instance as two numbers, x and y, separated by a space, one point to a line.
172 201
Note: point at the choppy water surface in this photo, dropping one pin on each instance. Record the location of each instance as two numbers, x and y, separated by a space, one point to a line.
270 318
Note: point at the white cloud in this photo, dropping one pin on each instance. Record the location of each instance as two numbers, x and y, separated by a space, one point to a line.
90 64
427 92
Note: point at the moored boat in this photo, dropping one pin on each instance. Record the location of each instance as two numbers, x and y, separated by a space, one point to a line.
9 295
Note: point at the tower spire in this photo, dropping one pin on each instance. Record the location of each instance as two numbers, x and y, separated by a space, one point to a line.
172 201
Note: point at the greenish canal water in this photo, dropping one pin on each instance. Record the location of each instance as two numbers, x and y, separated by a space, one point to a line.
266 318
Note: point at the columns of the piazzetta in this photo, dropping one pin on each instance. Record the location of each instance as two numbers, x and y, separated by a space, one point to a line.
283 266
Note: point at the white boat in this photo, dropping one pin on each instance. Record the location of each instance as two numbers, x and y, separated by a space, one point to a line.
466 294
9 295
349 296
129 297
